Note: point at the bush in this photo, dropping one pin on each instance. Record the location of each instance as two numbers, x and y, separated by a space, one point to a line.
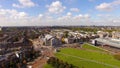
117 56
56 63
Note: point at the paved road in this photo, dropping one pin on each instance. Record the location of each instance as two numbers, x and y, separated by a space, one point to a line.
113 66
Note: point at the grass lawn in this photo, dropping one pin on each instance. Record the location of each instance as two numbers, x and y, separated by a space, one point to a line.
92 47
84 58
48 66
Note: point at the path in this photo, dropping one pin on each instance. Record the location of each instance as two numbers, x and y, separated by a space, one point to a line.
39 63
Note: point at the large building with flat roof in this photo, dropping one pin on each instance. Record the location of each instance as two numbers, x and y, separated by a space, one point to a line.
109 41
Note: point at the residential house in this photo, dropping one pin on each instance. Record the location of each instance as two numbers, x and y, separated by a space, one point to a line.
52 40
116 35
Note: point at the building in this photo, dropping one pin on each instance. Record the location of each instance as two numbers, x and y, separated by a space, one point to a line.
52 40
102 34
116 35
0 28
108 41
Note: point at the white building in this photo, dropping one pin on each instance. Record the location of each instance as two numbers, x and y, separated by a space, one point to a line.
116 35
0 28
102 34
51 40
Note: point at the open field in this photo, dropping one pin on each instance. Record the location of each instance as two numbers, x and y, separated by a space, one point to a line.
88 57
48 66
92 47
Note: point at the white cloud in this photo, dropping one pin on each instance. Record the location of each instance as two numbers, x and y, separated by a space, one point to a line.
116 21
104 15
74 10
69 19
104 7
86 16
40 15
12 17
108 6
69 14
56 7
24 3
9 17
82 16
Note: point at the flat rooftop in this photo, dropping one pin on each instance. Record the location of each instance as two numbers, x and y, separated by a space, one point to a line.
109 41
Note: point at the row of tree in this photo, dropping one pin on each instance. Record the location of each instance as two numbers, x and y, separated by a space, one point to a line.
56 63
86 29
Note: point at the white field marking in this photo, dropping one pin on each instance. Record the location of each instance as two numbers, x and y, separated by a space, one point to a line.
90 60
98 47
101 48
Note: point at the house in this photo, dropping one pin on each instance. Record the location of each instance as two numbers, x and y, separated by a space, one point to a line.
0 28
51 40
116 35
102 34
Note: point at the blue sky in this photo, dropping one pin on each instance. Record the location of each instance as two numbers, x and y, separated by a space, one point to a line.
59 12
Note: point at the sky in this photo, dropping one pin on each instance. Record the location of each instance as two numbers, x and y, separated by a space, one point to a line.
59 12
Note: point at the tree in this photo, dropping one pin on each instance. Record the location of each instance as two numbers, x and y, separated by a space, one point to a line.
66 34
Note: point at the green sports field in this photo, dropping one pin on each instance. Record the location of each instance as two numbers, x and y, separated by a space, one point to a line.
88 57
48 66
